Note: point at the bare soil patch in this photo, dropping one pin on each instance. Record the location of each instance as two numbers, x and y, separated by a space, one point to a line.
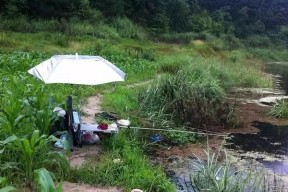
79 155
92 107
77 187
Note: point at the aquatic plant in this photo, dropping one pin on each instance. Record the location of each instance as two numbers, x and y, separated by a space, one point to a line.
219 174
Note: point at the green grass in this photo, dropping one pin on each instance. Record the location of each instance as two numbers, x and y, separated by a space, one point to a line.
122 100
280 109
125 166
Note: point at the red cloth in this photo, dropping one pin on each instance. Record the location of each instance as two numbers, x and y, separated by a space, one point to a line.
103 126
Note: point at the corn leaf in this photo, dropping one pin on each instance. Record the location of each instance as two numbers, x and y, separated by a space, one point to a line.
44 180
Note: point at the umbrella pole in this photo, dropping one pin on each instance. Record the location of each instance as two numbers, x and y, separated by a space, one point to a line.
75 94
78 97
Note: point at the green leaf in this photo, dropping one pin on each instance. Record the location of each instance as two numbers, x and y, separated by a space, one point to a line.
8 165
19 119
34 137
27 147
44 180
60 187
10 139
2 180
7 189
2 150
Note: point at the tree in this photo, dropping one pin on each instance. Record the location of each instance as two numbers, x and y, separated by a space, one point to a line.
149 13
200 22
177 12
110 8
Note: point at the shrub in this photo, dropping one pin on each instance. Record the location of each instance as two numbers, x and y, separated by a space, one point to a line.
181 138
258 41
232 42
127 29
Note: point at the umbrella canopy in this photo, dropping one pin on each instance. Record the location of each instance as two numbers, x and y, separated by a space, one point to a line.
74 69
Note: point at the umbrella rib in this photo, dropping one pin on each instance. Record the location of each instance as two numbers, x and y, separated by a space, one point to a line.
53 69
39 74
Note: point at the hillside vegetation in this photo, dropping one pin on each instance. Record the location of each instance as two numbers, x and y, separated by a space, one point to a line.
191 53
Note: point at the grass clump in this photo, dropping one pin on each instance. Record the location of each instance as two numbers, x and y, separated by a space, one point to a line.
280 109
188 97
125 166
127 29
211 175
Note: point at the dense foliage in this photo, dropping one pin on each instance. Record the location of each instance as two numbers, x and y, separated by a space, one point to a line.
242 18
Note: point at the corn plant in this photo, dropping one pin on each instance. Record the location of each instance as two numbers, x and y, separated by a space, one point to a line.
44 181
40 112
28 148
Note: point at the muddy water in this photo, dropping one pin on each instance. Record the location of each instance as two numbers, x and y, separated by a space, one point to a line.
270 139
270 145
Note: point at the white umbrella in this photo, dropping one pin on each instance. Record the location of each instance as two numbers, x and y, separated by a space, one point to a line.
77 69
74 69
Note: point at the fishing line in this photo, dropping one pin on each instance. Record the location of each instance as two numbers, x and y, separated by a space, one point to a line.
177 131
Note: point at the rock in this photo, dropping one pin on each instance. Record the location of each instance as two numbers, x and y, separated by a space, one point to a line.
272 100
136 190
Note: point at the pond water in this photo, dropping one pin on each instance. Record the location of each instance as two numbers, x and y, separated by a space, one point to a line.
271 140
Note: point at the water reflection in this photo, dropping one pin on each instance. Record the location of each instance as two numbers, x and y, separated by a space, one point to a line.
277 166
281 70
